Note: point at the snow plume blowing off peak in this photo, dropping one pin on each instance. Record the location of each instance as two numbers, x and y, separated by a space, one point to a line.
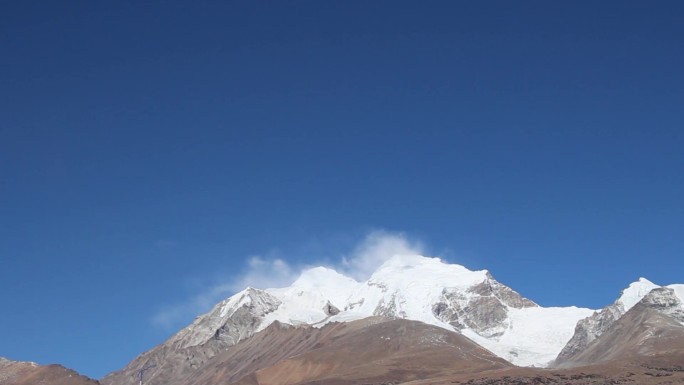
263 272
376 248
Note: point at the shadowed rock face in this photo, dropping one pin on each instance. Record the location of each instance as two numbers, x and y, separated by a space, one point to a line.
330 309
484 308
505 294
28 373
589 329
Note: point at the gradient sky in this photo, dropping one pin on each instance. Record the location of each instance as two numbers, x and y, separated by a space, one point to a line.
149 149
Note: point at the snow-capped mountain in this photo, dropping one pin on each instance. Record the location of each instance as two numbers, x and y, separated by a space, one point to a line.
408 287
592 327
665 300
431 291
281 331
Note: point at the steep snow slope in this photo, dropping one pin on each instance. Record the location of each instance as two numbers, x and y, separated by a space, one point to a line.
534 335
634 293
306 300
678 290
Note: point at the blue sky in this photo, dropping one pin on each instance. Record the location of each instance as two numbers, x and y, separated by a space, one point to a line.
153 153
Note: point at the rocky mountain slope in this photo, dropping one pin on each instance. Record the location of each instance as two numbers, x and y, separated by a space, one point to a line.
590 328
29 373
651 332
643 297
376 349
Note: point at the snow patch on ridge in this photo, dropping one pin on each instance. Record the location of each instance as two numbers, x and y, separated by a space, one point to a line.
679 291
233 303
305 300
634 293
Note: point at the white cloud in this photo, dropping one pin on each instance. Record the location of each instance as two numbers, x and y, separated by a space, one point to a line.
265 273
260 272
374 250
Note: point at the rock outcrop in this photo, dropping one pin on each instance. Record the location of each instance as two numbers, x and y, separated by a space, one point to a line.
482 308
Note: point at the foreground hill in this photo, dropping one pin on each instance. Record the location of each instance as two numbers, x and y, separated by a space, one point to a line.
29 373
375 350
589 375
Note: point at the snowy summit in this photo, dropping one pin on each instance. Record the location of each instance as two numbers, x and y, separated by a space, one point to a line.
411 287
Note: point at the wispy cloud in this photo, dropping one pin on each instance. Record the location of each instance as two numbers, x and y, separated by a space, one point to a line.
376 248
169 318
268 272
265 273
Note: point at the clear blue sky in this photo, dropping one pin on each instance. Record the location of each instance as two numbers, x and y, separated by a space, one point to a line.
149 147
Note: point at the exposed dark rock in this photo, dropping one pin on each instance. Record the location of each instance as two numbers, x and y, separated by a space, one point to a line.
485 311
330 309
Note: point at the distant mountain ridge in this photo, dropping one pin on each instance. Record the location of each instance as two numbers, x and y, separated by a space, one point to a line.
30 373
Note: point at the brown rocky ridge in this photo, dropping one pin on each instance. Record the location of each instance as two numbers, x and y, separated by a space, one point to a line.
29 373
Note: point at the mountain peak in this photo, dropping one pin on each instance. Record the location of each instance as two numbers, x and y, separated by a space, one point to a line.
402 270
321 276
635 292
410 260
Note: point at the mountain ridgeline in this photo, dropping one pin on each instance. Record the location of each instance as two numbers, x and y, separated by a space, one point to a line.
415 318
